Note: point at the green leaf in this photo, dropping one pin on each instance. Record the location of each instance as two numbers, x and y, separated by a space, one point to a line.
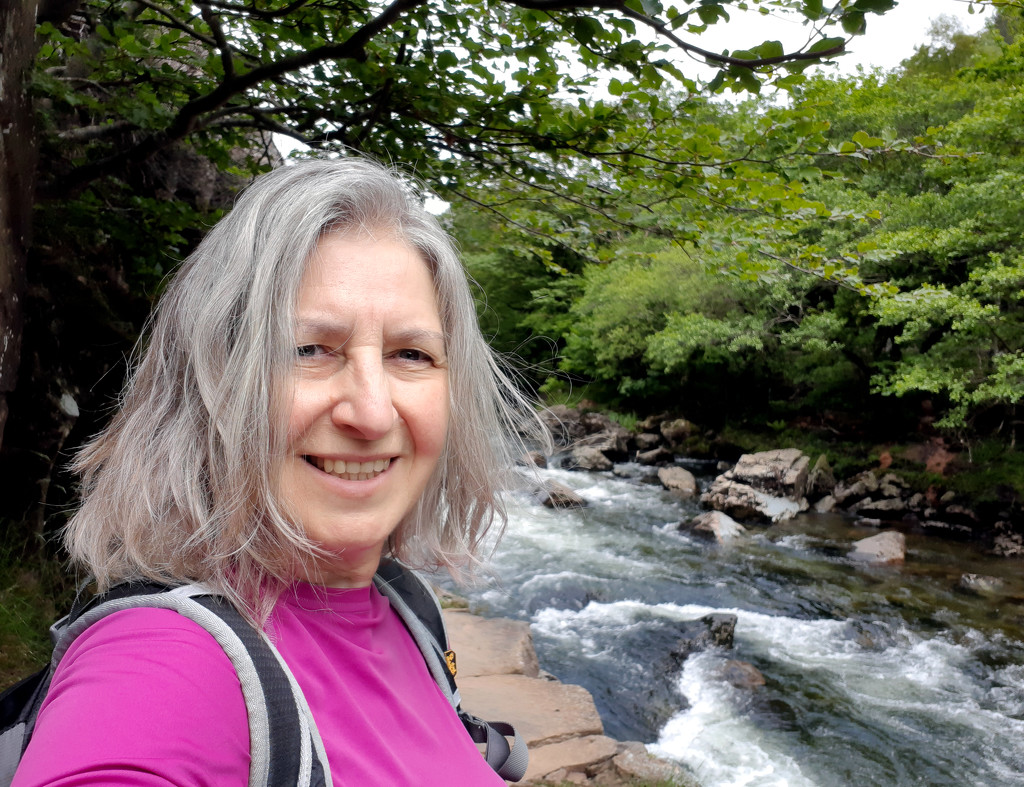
586 29
813 9
825 44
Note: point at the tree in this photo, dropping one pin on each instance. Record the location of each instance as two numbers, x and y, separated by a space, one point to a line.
131 100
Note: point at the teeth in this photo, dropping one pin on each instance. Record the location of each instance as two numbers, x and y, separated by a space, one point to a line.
353 471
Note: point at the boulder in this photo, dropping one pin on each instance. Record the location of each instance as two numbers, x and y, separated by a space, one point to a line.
825 505
593 422
563 423
743 502
742 674
491 646
780 473
888 508
887 547
718 526
556 761
634 765
711 631
645 441
679 481
535 458
556 495
1007 543
656 456
651 423
612 441
981 585
587 457
821 480
676 431
543 711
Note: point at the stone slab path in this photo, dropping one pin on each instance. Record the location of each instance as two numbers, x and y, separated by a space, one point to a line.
499 679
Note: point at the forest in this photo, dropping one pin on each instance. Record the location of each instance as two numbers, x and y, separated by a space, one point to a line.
781 255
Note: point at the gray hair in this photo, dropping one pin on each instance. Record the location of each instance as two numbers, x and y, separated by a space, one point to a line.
180 486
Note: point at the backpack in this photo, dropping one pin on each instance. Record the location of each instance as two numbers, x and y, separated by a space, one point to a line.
285 746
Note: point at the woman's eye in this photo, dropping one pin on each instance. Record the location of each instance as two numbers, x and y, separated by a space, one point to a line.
307 350
412 355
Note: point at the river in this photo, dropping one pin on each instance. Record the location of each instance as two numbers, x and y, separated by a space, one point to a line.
873 675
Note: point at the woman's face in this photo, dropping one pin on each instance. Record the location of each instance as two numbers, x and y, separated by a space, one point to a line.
369 412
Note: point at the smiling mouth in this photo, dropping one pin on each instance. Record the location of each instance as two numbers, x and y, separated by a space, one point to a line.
350 471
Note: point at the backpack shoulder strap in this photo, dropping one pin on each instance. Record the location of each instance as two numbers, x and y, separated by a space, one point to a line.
285 746
419 610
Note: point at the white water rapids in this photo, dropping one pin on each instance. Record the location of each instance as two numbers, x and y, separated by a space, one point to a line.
873 676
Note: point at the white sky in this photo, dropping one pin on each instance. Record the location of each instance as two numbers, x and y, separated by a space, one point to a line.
889 39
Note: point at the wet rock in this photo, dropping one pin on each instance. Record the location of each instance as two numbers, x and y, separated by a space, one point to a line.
742 674
556 495
676 431
560 762
937 527
821 480
711 631
612 442
634 765
679 481
645 441
889 508
717 526
980 585
535 458
563 423
652 423
825 505
885 548
656 456
780 473
916 502
594 422
1008 543
586 457
743 502
960 515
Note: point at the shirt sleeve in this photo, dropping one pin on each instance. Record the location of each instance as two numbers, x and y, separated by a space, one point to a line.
143 697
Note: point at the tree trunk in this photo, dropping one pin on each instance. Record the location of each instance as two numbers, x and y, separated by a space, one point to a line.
17 183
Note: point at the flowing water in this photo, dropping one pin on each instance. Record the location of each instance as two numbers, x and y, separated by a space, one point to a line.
873 675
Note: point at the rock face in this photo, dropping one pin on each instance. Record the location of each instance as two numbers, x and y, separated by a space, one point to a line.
767 486
885 548
679 481
498 679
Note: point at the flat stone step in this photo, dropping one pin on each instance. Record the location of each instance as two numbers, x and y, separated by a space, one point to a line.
490 646
543 711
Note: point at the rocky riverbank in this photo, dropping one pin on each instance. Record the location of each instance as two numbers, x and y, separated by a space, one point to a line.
769 486
499 679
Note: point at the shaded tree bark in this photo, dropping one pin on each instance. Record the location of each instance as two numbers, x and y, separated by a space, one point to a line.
17 186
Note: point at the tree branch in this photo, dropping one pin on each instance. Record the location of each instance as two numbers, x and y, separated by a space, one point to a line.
662 28
187 119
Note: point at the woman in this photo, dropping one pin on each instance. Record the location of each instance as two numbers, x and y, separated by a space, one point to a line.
315 396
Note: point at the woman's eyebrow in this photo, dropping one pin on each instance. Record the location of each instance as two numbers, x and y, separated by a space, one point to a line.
416 336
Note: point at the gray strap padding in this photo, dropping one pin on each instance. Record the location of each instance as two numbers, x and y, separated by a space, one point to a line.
424 640
261 773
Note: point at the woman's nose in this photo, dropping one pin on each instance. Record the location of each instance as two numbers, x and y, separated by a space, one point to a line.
363 404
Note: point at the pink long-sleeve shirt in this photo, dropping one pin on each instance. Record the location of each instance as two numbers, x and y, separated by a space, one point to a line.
147 697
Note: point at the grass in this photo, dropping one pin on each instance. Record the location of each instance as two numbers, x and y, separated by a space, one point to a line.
34 592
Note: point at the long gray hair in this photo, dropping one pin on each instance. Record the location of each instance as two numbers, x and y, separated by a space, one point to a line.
180 486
